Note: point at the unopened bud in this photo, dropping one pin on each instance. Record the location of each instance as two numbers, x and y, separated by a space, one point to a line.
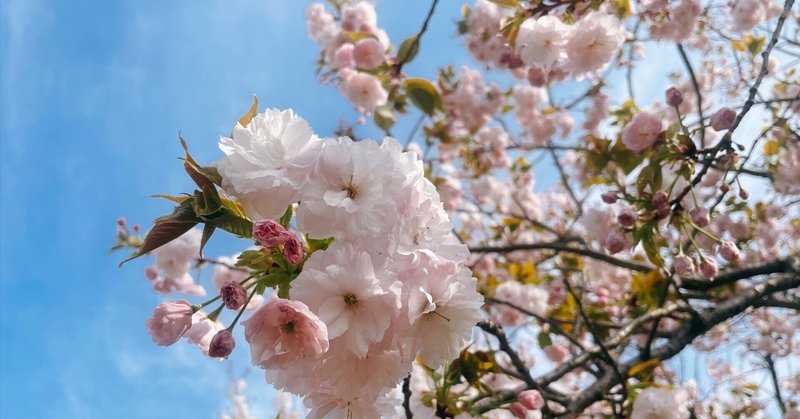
233 295
663 211
222 344
724 188
537 77
729 251
293 251
121 222
743 194
699 216
660 198
723 119
674 96
615 242
268 233
136 228
627 217
684 266
708 268
609 197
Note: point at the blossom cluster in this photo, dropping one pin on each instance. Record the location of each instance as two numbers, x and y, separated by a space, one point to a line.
354 46
389 285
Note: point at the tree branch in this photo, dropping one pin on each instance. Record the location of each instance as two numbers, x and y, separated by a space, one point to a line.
564 247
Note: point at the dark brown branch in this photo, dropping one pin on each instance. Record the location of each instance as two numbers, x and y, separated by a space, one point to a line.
698 94
407 396
777 266
774 376
699 325
787 8
564 247
520 366
398 67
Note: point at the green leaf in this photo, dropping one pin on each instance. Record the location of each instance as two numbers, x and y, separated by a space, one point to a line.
544 339
646 366
623 8
318 244
232 223
251 113
408 50
508 4
208 230
423 94
384 118
255 260
754 44
200 178
175 199
286 218
651 249
167 229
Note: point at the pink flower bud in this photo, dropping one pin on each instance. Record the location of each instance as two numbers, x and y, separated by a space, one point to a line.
699 216
729 251
169 322
609 197
723 119
151 272
708 268
660 198
743 194
268 233
221 345
518 410
674 96
136 228
531 399
233 295
293 251
663 211
615 242
684 266
121 222
724 188
627 217
537 77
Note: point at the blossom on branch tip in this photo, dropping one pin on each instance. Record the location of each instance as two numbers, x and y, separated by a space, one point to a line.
169 322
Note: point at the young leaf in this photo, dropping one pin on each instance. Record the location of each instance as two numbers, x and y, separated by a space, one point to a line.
167 229
423 94
251 113
408 50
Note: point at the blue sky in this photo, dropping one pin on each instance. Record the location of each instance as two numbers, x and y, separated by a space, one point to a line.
93 96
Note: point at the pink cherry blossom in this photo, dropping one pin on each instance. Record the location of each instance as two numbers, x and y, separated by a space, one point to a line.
355 301
540 42
368 54
592 42
285 334
169 322
642 132
363 90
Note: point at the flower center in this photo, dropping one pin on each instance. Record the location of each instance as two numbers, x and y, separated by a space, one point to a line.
352 192
350 300
288 327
